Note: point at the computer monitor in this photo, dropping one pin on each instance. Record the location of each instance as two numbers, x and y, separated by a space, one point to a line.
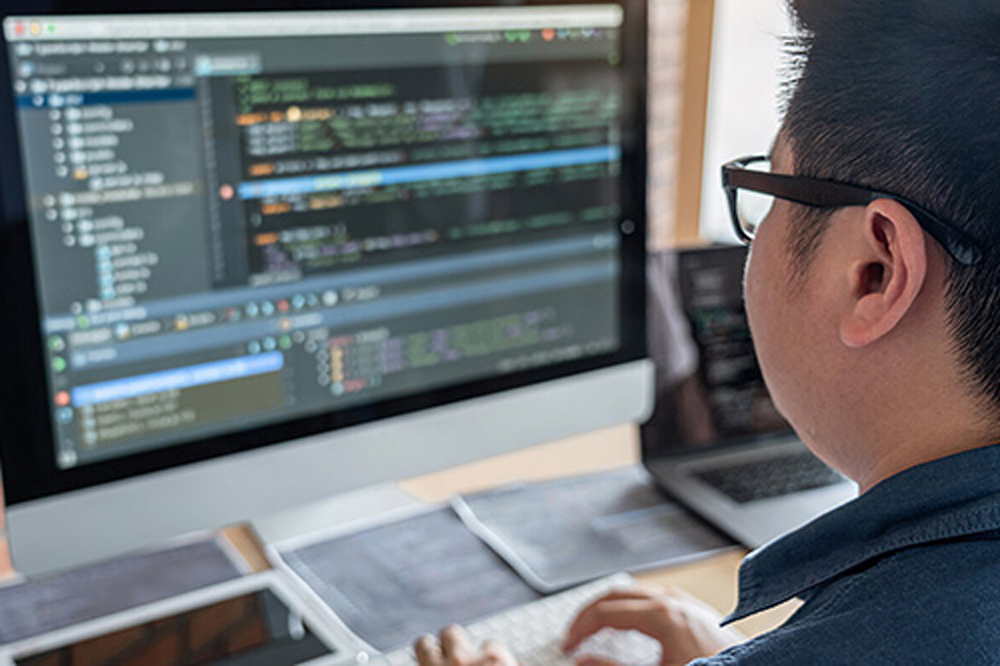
253 254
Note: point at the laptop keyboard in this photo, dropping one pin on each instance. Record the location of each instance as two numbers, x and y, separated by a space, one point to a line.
772 477
534 631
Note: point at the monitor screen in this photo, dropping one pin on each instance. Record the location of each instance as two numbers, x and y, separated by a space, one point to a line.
227 229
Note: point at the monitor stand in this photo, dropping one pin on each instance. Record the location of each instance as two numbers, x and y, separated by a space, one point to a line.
338 514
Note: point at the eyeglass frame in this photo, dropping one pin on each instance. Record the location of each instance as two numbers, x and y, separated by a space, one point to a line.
821 193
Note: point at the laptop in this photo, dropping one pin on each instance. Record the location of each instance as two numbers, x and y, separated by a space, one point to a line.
715 440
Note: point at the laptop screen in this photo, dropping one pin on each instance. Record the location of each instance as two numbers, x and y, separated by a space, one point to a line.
709 388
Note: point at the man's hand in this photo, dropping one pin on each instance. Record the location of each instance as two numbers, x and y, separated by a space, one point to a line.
456 649
685 627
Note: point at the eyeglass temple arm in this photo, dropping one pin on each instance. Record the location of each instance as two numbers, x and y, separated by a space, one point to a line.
827 194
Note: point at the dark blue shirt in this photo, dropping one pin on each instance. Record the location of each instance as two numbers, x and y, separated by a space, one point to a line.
908 573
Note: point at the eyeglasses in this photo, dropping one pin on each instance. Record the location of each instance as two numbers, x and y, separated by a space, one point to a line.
751 189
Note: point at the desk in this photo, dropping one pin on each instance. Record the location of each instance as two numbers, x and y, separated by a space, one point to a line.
713 580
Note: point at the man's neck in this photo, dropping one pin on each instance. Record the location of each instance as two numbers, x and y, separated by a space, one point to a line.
902 443
905 406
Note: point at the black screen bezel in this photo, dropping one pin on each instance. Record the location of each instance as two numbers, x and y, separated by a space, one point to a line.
27 450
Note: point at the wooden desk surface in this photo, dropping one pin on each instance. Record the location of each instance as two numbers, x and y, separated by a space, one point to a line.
713 580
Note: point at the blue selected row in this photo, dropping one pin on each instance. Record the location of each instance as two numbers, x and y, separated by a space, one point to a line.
553 159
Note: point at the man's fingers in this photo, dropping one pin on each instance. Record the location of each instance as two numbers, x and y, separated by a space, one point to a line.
495 653
636 592
428 652
638 614
455 645
456 649
591 660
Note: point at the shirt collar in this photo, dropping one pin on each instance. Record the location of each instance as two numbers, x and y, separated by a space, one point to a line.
943 499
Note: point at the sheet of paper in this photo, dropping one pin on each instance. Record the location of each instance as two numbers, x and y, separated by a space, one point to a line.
556 534
393 583
61 600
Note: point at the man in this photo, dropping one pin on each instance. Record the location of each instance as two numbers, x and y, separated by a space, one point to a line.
873 293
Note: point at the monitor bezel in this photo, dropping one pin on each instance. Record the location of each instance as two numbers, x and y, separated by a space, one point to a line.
27 451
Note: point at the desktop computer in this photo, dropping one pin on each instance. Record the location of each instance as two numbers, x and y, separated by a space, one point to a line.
257 253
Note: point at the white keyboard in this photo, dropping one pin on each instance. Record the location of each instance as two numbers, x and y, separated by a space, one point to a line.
535 631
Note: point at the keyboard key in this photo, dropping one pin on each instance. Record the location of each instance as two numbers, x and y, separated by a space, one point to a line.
771 477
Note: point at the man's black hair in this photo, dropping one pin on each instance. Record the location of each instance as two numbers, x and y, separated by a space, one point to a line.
903 96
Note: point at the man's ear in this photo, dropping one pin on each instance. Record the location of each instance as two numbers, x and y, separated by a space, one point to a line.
887 272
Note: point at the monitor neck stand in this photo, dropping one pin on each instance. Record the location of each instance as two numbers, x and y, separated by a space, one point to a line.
338 514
